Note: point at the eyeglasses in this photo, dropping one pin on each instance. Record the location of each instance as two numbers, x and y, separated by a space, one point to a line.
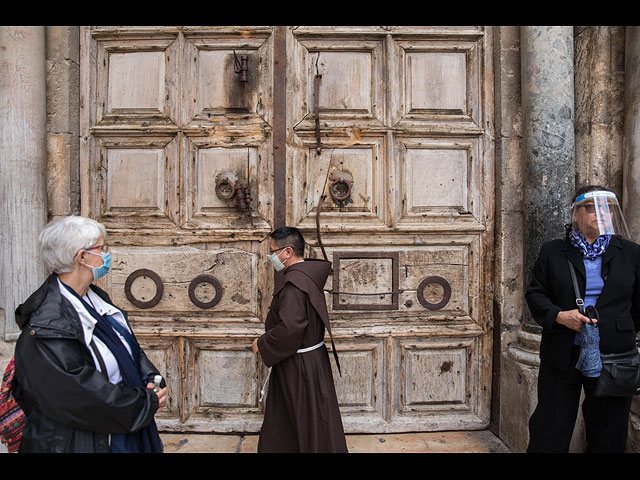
591 208
103 248
280 248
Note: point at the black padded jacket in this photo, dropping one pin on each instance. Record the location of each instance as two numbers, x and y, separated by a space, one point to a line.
551 291
70 406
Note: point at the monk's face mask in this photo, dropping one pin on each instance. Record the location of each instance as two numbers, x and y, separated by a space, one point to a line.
275 260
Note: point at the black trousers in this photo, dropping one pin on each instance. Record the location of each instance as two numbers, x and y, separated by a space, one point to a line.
551 425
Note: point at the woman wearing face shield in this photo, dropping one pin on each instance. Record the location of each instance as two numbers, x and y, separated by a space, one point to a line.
607 266
81 378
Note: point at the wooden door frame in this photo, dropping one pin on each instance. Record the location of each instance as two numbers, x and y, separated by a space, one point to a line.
279 125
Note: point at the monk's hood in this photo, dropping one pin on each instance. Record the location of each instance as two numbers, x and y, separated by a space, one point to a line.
317 269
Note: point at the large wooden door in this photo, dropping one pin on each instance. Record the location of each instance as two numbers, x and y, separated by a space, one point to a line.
198 140
404 120
170 132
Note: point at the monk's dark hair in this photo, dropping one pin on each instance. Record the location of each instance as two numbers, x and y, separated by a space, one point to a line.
580 191
290 236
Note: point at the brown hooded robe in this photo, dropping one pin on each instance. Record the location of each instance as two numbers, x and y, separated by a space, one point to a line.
301 411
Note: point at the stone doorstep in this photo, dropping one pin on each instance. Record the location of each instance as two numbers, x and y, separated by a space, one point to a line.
429 442
432 442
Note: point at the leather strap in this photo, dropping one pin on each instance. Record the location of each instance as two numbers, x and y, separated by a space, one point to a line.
590 311
579 300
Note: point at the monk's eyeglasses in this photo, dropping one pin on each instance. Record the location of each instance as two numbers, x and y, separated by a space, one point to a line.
280 248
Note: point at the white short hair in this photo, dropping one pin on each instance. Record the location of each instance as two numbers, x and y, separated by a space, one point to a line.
64 237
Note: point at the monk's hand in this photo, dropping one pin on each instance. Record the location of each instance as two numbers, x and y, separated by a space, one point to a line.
256 352
572 319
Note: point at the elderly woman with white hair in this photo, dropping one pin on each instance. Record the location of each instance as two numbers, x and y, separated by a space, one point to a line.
81 378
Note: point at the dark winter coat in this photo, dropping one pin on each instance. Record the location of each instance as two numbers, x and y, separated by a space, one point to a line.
301 411
551 291
70 405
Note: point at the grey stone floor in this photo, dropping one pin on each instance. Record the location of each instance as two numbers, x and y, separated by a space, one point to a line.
431 442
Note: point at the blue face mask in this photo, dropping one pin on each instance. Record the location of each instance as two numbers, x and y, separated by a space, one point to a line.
99 272
275 260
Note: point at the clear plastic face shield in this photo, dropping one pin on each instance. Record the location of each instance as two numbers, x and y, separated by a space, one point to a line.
598 213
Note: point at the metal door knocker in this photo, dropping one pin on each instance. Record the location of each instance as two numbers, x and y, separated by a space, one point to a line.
226 184
227 187
241 67
205 279
143 272
445 297
341 184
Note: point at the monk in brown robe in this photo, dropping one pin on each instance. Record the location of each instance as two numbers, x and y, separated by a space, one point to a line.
301 410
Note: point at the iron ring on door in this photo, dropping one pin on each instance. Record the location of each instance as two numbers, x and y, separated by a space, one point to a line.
205 279
445 297
143 272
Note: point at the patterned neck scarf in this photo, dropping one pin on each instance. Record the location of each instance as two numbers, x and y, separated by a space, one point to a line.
589 251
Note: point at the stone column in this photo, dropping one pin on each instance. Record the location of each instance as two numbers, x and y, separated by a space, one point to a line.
63 109
508 300
23 194
548 164
631 175
631 155
599 111
548 109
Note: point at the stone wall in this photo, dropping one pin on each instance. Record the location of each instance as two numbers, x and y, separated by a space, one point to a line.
63 110
604 98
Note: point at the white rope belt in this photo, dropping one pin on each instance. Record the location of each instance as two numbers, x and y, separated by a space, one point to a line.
308 349
300 350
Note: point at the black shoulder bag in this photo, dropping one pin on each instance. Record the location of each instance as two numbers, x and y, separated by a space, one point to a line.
620 376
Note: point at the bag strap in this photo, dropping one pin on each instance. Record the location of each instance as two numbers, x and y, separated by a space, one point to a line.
579 300
103 367
591 311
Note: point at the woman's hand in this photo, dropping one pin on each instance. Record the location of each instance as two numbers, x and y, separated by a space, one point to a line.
572 319
162 395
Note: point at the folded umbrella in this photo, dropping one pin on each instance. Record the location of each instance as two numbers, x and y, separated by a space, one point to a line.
589 362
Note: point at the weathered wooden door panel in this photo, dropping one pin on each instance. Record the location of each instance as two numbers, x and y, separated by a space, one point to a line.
177 163
177 154
397 119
